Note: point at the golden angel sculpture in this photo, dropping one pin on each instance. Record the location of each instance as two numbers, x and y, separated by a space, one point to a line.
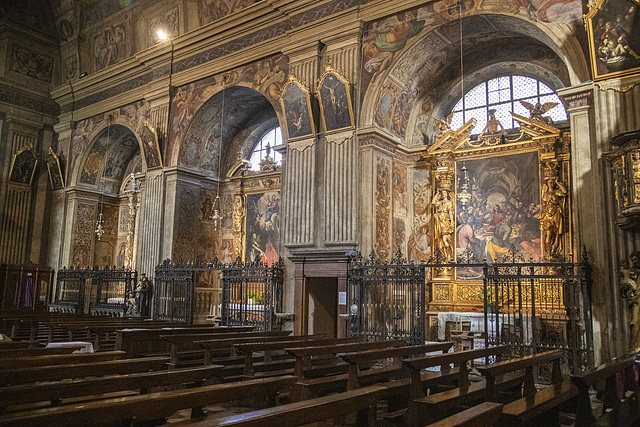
536 111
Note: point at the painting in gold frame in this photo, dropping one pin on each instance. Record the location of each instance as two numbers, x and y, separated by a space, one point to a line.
150 148
334 93
23 168
296 104
55 171
613 28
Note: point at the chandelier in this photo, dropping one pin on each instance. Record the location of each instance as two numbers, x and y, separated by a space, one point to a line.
463 186
215 209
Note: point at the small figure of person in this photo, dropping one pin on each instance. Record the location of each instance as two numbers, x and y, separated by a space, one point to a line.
143 295
444 221
629 275
132 305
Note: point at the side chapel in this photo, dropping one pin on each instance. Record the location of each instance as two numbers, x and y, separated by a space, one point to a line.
135 131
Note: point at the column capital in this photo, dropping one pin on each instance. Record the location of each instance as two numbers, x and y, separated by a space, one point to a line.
578 97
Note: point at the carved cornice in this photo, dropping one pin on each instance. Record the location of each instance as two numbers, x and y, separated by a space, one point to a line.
373 138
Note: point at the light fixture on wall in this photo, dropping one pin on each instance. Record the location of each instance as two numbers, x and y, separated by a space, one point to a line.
215 216
463 186
100 220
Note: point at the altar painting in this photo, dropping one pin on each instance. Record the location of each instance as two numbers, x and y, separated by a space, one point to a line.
263 227
296 103
613 27
503 211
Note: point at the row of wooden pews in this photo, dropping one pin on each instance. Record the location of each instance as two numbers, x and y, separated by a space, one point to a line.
287 380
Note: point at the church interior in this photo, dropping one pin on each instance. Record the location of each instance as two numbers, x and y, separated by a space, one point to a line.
347 171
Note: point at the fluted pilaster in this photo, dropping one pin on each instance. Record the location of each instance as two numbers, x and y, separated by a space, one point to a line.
300 193
151 214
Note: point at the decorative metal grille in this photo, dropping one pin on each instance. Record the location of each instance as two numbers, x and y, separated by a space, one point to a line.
107 287
252 293
535 307
173 290
387 299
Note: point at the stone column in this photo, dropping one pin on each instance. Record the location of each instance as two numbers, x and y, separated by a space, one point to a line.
152 196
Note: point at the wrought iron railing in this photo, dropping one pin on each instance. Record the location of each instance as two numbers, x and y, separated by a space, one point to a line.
252 293
98 290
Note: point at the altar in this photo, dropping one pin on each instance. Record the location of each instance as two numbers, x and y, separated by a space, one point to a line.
474 322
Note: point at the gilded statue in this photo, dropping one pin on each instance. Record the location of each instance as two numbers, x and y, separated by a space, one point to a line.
554 194
238 221
444 223
536 111
629 275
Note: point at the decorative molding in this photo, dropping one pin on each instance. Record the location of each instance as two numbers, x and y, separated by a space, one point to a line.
302 145
620 86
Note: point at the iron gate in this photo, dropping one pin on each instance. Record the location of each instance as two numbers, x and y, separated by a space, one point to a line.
252 293
100 291
532 307
173 292
535 307
387 299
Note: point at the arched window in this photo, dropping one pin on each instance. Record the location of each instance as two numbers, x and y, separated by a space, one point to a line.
271 138
503 94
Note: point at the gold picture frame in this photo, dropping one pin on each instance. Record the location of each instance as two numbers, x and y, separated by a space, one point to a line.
150 148
296 106
56 177
334 94
613 29
23 168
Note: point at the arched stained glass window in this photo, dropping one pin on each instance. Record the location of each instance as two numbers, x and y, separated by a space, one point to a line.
503 94
271 139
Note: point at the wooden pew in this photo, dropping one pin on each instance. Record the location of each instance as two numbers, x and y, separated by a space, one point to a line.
148 407
185 344
40 351
486 414
301 354
436 406
623 411
9 345
136 342
310 388
539 406
60 359
143 381
61 372
248 349
363 399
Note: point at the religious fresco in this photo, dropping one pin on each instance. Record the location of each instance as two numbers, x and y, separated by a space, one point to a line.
31 64
382 245
402 49
150 147
185 240
23 167
55 168
335 101
613 27
504 209
167 21
212 10
83 234
399 181
191 129
296 104
227 255
263 227
419 246
110 46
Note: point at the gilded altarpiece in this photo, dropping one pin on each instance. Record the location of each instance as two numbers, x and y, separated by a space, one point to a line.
495 200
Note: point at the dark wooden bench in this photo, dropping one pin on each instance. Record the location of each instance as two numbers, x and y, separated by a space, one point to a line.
536 406
61 372
38 351
60 359
616 410
136 342
184 345
142 382
486 414
356 377
363 400
149 407
303 353
268 348
9 345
